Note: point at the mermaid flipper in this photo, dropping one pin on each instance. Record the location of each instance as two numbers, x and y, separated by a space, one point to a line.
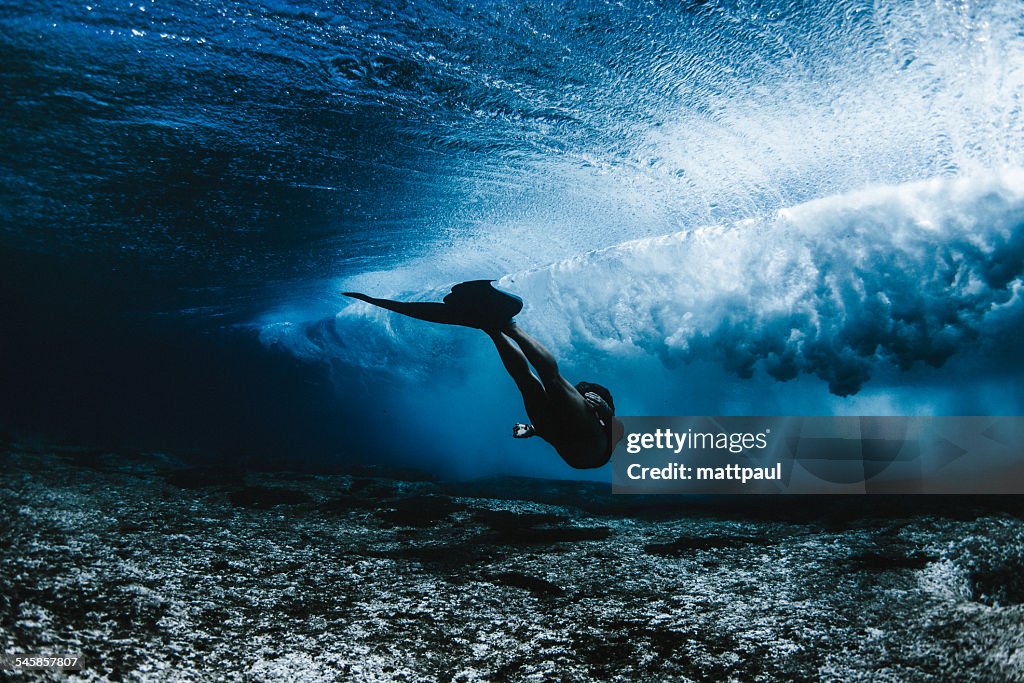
471 304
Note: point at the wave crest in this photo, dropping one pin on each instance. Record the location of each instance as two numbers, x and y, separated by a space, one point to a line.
836 287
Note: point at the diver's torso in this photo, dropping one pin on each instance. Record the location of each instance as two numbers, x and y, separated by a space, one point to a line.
584 447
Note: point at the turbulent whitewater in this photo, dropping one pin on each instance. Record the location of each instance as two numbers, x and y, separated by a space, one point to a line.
891 275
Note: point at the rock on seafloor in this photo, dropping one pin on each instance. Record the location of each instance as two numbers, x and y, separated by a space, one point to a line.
155 570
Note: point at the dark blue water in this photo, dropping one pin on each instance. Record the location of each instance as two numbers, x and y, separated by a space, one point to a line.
711 207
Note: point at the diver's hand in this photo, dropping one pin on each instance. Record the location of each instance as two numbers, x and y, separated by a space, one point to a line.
599 406
522 431
596 402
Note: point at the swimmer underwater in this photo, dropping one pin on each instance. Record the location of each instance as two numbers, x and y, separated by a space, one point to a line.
577 420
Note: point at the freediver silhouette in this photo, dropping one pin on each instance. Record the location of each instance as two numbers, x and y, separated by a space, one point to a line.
577 420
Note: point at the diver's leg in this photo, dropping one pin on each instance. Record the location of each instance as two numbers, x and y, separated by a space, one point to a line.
562 396
515 362
539 357
535 399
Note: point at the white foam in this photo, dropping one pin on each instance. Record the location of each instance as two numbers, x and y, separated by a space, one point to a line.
885 277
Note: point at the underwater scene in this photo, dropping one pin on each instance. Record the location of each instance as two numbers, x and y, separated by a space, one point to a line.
218 464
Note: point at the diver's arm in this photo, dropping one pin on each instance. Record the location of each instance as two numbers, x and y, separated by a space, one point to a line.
599 405
618 431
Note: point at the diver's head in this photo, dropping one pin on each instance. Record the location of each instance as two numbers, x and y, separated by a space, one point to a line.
584 387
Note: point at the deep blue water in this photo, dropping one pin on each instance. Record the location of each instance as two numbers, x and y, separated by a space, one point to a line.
711 207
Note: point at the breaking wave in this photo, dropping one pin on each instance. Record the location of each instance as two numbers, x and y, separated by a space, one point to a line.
889 277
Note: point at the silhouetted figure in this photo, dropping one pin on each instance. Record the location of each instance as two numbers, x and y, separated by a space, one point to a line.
579 421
